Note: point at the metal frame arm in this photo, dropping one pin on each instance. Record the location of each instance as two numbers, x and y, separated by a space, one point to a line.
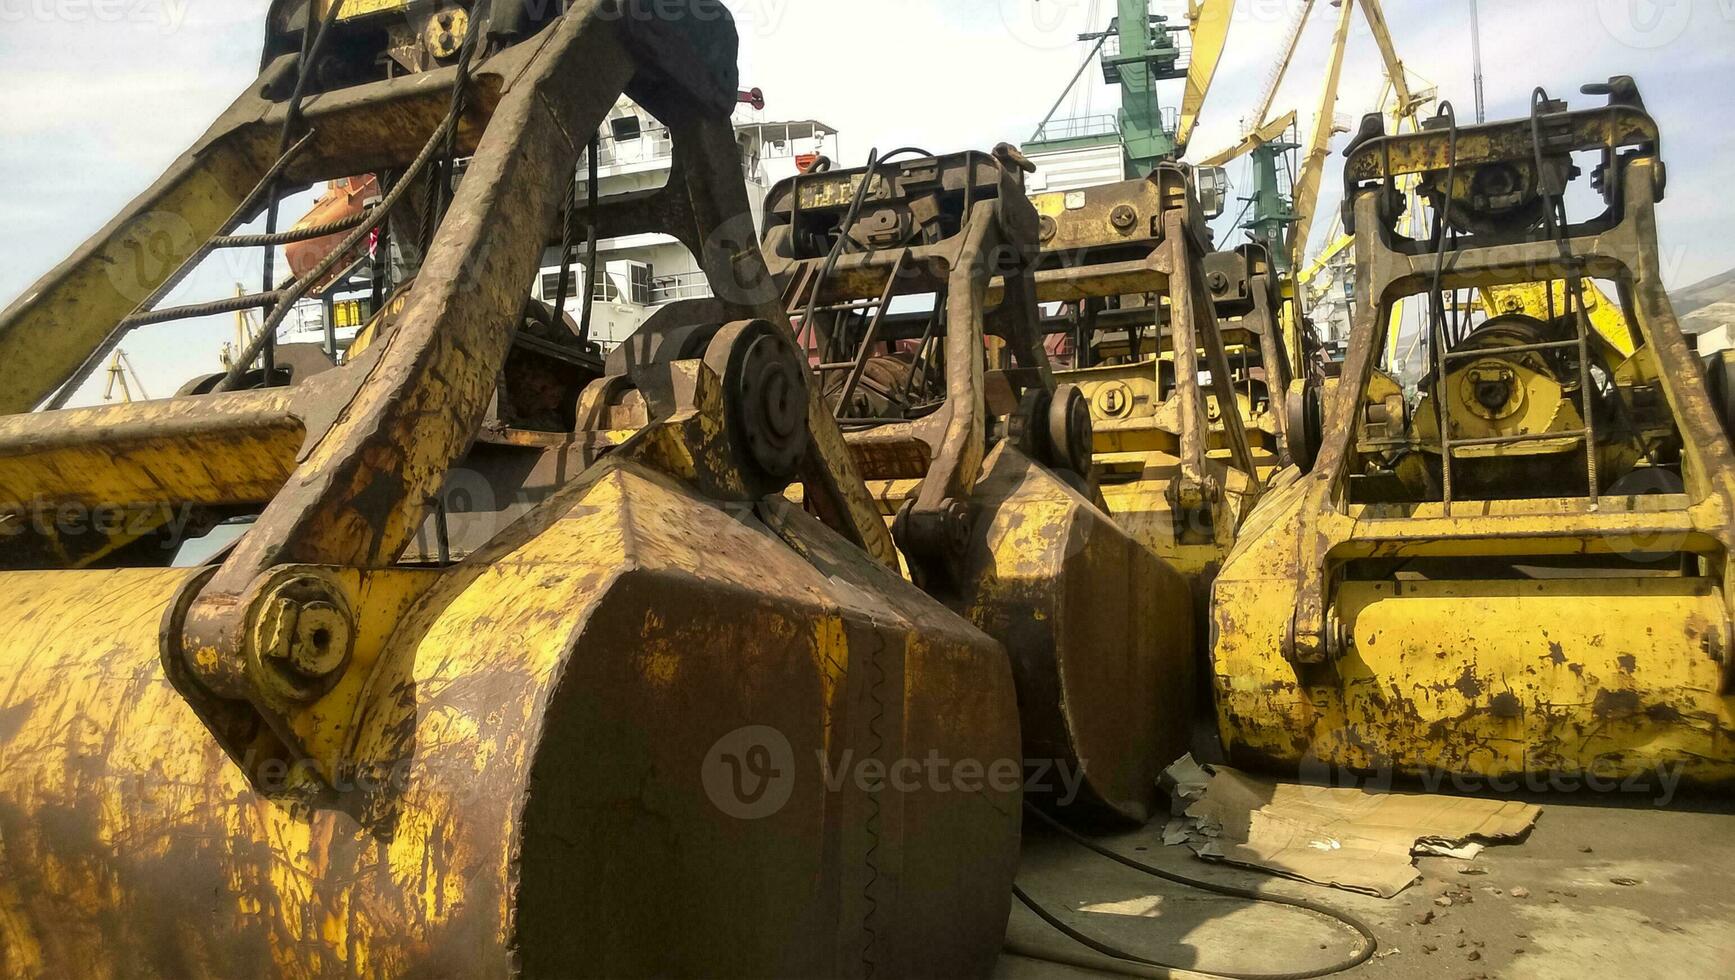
49 331
419 394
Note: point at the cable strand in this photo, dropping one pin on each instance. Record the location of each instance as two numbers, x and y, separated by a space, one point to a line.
1370 943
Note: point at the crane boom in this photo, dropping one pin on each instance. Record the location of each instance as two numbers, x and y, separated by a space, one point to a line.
120 368
1259 137
1376 18
1208 24
1313 164
1275 82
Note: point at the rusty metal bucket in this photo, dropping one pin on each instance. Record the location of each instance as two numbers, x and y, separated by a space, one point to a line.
593 750
655 721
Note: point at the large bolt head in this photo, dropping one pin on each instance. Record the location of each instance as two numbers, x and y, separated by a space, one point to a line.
276 630
303 636
322 640
957 526
445 31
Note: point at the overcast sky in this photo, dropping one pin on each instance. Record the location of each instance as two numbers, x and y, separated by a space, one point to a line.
98 96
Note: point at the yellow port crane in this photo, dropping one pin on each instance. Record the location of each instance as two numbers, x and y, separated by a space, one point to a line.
1285 221
1403 103
1262 129
120 368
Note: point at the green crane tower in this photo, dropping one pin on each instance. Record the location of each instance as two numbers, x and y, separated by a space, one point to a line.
1138 50
1144 52
1273 217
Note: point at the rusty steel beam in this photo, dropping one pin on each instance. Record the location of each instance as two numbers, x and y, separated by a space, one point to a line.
49 330
1378 158
366 482
233 449
992 248
989 480
1149 237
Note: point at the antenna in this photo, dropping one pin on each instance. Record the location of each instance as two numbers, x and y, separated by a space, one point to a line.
1476 59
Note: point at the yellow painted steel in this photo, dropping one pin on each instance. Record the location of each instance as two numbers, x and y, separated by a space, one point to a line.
1139 465
1485 680
1396 75
1103 629
1252 141
1532 299
517 776
1208 23
1536 617
1312 170
1165 458
1407 104
353 9
1317 266
79 486
1184 542
46 332
1535 404
1000 522
236 449
661 724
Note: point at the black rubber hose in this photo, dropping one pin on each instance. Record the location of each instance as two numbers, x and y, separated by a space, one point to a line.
1436 302
808 321
587 305
1369 942
874 161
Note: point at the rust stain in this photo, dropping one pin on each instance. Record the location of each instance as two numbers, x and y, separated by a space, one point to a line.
1666 713
12 718
1467 684
1506 705
1615 704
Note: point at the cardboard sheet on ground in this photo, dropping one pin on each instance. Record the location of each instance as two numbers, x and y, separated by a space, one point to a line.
1341 837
